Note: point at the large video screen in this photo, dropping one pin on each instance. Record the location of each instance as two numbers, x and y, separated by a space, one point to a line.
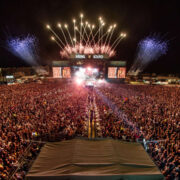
116 72
61 72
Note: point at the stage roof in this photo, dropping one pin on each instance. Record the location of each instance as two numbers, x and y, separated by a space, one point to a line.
100 159
117 63
83 62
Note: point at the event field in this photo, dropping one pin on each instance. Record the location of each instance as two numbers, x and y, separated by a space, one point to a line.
33 114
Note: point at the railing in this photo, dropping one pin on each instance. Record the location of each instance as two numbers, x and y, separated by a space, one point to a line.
22 159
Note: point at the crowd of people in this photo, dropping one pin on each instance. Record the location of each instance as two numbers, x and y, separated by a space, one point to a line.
150 113
41 112
57 110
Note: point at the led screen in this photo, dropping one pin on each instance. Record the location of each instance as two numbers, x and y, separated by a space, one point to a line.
57 72
116 72
61 72
121 73
66 72
112 72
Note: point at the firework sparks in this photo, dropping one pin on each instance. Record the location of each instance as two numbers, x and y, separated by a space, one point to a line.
86 38
24 48
149 49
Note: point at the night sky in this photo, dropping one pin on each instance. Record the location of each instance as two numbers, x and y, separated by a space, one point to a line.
137 18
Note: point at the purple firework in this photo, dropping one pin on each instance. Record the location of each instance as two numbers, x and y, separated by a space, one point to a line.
24 48
149 49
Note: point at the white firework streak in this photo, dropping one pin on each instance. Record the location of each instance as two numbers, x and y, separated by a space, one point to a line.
84 40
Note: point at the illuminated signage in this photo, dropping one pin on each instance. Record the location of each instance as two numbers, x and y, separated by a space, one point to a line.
98 56
89 56
9 76
80 56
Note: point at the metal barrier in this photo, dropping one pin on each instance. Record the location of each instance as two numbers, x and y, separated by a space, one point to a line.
23 158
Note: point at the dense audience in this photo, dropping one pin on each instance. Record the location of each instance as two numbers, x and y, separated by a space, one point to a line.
40 112
32 114
151 113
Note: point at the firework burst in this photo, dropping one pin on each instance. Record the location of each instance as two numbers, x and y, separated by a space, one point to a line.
85 38
24 47
149 49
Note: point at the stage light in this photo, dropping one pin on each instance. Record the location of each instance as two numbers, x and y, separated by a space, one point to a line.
82 70
100 81
81 73
95 70
79 81
89 68
78 73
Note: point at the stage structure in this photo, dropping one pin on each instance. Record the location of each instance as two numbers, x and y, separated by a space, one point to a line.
104 159
87 45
